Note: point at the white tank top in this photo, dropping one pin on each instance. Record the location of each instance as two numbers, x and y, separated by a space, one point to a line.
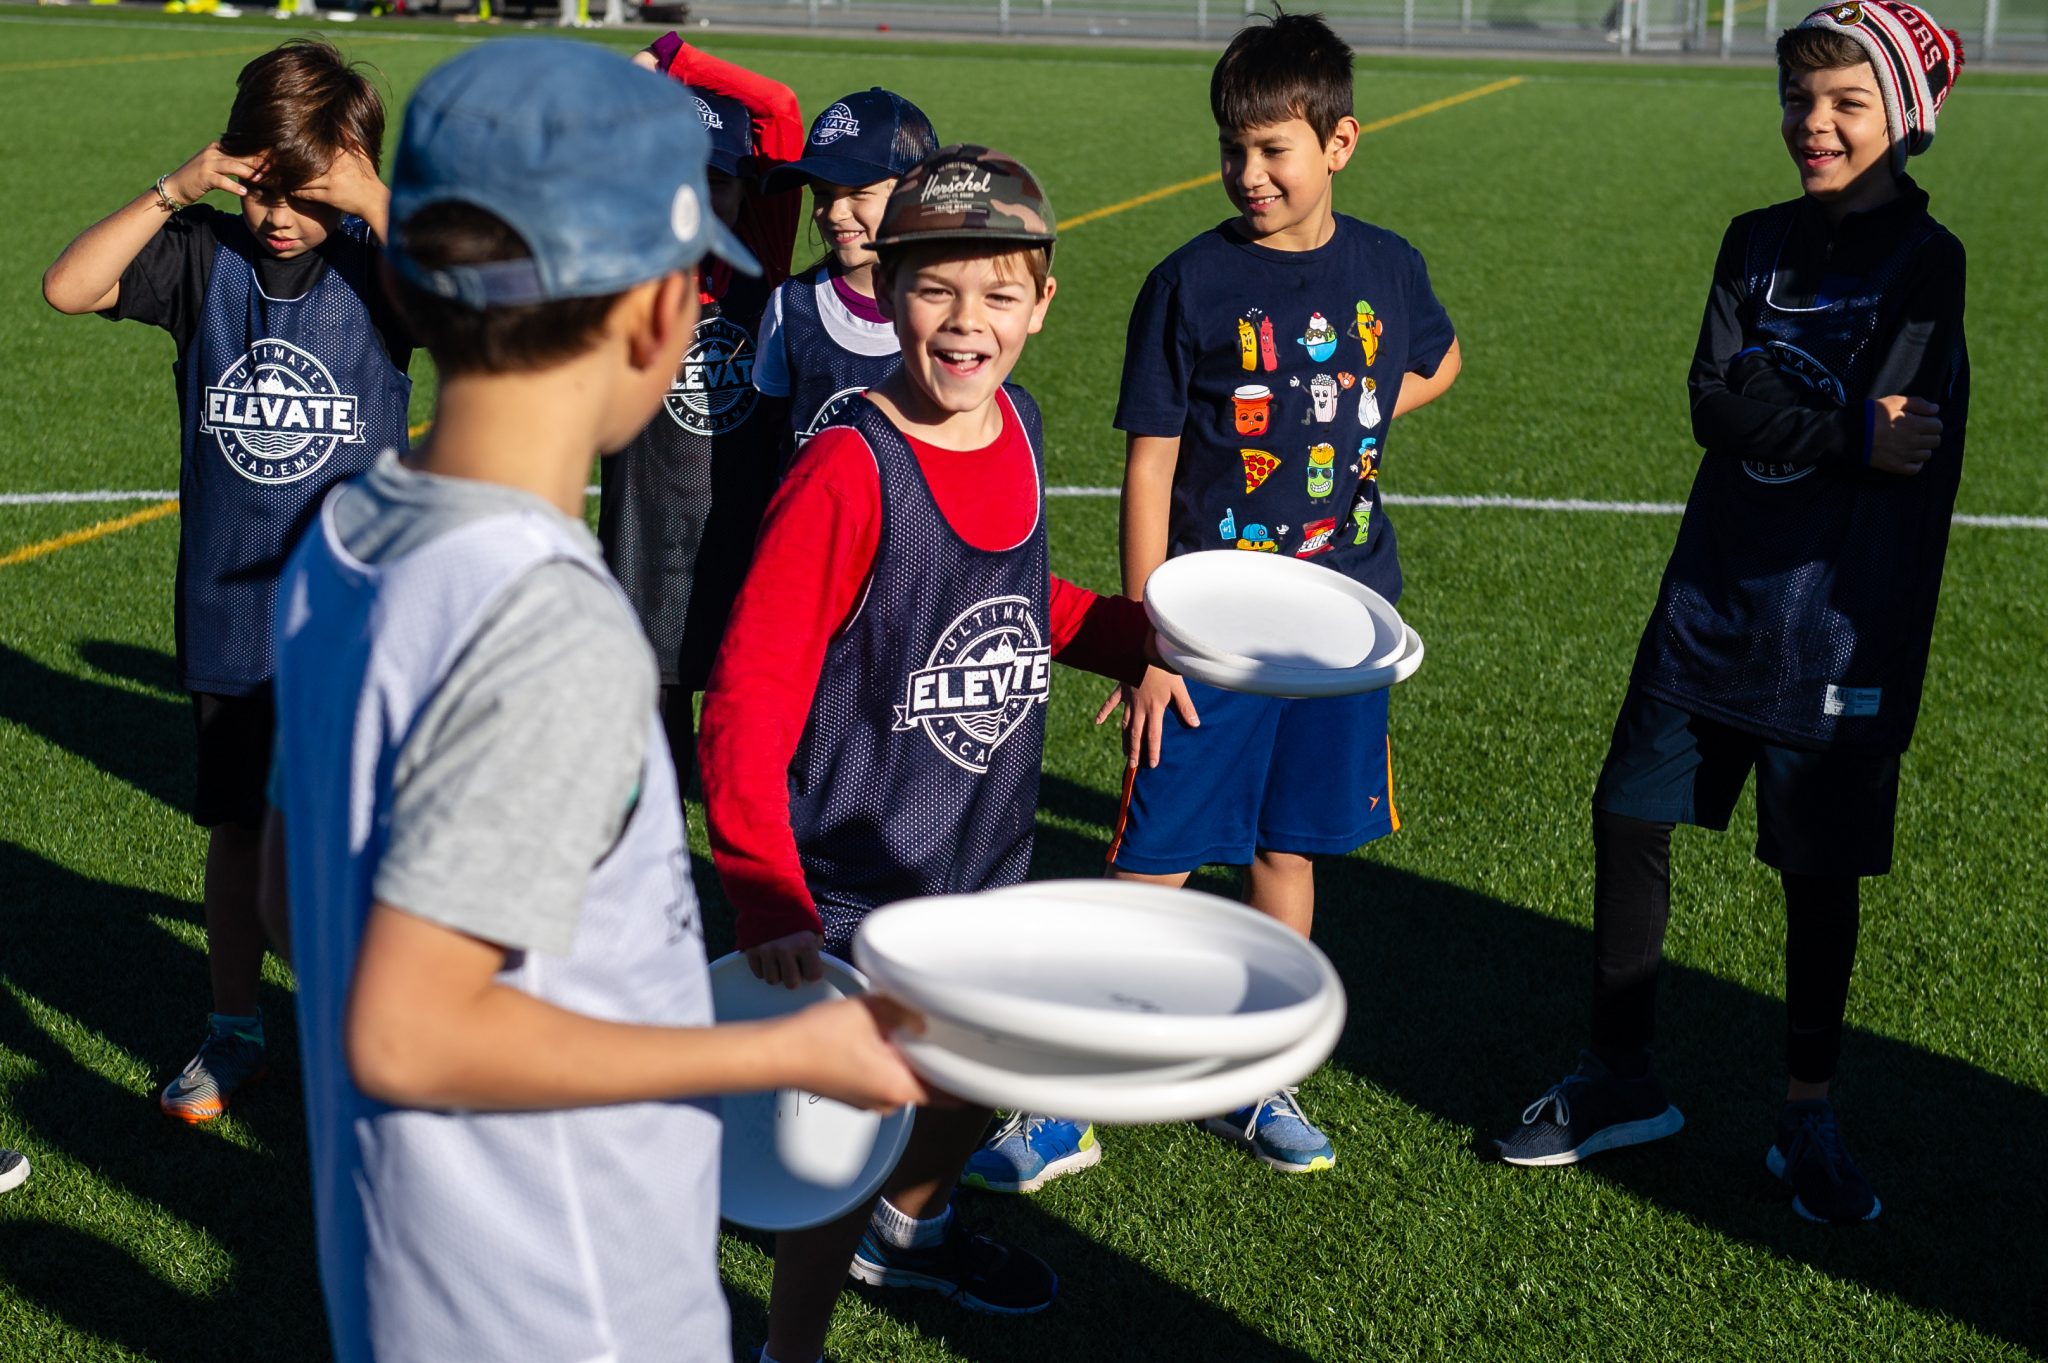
579 1236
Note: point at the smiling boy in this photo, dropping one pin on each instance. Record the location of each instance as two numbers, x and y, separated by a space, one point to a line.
1266 361
876 718
1790 636
291 374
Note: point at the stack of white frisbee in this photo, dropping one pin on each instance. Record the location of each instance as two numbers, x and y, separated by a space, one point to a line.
793 1159
1105 1001
1276 626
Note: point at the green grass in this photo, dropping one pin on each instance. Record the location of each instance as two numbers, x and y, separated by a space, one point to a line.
1570 223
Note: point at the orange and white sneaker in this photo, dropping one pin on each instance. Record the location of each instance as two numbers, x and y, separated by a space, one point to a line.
227 1059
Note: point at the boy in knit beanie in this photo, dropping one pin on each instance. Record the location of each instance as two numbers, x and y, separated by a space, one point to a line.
1790 635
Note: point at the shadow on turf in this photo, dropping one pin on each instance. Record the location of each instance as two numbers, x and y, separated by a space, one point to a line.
94 955
1469 1007
141 738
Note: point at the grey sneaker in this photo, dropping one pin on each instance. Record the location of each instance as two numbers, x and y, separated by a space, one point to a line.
1587 1112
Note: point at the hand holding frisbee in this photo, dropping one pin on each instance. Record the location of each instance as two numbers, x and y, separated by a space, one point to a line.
792 1159
1276 626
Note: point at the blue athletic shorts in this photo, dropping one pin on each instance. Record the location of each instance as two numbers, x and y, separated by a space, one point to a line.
1819 812
1259 774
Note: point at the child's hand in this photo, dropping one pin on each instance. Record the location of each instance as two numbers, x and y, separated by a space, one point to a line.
788 961
350 184
1145 713
842 1050
211 169
1904 434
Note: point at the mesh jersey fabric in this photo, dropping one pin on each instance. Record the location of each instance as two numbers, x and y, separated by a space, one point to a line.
582 1234
1799 600
682 503
918 770
830 356
279 399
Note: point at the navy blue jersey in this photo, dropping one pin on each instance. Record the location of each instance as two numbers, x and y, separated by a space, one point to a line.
819 355
280 398
1799 600
1279 372
918 769
682 504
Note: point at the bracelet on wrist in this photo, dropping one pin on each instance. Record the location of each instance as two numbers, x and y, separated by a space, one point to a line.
163 196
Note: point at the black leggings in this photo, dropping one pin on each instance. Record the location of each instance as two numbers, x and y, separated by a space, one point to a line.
1631 906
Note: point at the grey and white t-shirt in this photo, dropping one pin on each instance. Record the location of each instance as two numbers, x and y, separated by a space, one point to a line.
465 715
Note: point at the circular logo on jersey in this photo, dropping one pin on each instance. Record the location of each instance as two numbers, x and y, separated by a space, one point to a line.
714 387
1796 364
830 410
277 413
990 667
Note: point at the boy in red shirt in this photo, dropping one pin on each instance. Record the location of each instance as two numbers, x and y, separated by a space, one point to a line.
876 718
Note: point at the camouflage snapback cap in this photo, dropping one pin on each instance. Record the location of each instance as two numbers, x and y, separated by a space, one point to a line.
966 193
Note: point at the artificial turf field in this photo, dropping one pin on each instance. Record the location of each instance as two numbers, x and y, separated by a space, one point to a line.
1570 221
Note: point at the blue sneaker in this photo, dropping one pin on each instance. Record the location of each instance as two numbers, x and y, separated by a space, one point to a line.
1807 1154
1588 1111
1027 1152
1278 1132
969 1267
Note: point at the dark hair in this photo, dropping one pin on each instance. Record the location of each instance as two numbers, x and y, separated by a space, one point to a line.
1817 49
466 340
302 105
1291 66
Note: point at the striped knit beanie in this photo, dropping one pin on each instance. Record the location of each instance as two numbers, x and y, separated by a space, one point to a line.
1916 63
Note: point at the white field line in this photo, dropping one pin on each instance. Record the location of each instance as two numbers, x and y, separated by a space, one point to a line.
1456 501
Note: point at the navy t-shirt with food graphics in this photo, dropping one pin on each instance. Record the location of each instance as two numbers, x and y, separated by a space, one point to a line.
1279 371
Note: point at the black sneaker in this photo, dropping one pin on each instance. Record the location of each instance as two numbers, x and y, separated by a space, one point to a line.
969 1266
13 1169
1826 1184
1588 1112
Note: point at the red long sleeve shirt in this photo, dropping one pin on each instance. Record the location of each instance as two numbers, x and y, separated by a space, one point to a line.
810 573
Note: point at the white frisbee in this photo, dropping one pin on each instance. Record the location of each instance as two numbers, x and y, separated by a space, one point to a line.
791 1159
1117 975
1298 683
1131 1098
1255 609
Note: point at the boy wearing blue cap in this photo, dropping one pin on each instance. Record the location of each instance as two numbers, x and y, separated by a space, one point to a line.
291 374
682 502
825 339
502 997
1267 360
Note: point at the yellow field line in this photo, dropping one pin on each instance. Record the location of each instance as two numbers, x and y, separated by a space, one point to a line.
90 532
1364 129
71 63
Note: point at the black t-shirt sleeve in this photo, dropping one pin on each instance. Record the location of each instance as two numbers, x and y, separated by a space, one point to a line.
1429 327
1730 419
1158 363
165 285
384 313
1922 357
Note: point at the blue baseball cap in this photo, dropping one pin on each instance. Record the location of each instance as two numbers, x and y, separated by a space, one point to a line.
874 135
730 126
597 164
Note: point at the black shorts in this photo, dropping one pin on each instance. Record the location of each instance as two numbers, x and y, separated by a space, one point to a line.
235 735
1826 812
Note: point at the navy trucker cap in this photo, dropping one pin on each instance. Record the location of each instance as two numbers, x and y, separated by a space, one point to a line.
873 135
730 127
598 165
